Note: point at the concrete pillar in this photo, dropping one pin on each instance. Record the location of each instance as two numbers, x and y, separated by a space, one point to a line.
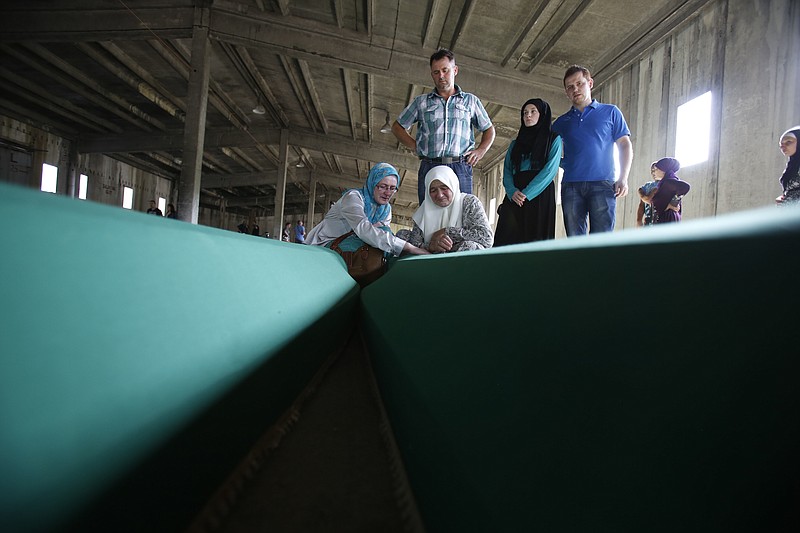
195 127
312 201
329 199
72 172
280 191
38 157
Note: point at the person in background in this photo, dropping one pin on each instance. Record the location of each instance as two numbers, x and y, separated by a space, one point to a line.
300 233
445 118
590 130
171 213
667 197
644 213
448 220
367 213
790 179
154 210
286 235
528 211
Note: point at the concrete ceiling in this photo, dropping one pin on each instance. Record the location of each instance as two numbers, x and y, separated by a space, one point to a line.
113 75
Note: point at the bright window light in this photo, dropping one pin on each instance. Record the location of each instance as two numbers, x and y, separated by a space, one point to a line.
84 180
127 198
492 209
49 178
693 131
162 204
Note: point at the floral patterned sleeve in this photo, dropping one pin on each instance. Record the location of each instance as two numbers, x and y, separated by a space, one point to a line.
413 236
476 233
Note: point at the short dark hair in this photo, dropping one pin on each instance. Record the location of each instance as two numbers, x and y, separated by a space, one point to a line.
441 53
574 69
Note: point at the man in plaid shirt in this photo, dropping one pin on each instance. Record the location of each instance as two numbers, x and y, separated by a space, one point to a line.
445 118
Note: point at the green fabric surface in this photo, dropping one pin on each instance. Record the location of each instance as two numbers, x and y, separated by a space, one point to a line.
645 380
141 353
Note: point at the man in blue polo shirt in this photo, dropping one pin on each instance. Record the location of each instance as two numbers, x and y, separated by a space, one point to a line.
589 190
300 233
445 118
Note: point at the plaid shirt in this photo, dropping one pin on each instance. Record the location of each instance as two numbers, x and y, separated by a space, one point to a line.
445 127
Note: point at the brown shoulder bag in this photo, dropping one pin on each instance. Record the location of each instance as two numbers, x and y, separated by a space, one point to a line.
365 264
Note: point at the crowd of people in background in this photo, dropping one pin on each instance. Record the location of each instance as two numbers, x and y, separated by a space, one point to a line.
451 219
582 142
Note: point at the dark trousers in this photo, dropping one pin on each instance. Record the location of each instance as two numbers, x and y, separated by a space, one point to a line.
462 169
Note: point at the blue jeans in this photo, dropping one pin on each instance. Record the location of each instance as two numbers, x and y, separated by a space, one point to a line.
462 169
588 201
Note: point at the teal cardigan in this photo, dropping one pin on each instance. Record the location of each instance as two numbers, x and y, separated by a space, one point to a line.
542 179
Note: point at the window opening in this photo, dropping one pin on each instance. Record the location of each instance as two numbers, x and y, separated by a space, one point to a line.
127 198
693 131
82 185
49 178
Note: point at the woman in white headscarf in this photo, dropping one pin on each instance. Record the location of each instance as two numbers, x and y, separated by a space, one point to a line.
448 220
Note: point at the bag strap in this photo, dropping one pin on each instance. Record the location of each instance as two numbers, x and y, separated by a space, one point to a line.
338 240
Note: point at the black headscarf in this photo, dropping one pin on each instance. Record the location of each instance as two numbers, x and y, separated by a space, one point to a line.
793 165
533 142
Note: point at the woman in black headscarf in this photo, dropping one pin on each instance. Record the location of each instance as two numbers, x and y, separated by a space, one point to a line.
528 212
790 179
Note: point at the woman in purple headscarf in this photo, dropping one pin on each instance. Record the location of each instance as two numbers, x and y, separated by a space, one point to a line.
790 179
666 197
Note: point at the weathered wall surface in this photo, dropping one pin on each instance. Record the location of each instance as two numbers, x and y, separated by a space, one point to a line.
107 177
761 99
745 53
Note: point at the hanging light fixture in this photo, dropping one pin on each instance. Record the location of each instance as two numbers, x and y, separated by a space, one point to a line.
386 128
259 109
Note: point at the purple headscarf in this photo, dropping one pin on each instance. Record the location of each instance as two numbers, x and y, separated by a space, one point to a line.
668 165
668 187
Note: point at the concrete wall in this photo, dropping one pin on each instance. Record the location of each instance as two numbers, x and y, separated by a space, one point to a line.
746 53
107 177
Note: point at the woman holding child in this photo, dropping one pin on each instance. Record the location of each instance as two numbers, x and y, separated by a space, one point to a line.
665 198
448 220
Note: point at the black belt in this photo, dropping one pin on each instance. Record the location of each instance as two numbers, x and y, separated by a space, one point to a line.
443 160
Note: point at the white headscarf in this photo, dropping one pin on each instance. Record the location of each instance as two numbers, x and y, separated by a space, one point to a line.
430 217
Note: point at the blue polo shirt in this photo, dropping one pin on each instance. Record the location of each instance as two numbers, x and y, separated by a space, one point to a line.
589 141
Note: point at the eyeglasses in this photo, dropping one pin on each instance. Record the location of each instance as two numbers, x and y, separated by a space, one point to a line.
383 187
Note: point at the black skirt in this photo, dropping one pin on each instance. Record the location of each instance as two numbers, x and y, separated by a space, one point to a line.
534 221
